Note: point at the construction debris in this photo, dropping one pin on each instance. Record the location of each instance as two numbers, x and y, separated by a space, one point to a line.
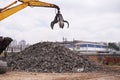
49 57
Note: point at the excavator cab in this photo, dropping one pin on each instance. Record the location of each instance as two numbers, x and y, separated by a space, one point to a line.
4 43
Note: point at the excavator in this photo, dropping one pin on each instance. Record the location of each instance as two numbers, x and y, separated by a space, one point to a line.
12 9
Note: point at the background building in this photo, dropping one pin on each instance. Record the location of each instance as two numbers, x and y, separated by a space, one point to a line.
86 46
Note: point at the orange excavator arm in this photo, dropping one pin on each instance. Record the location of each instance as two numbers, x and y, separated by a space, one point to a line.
6 11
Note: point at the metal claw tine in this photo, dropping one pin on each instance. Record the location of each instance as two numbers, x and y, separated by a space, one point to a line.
61 20
61 24
52 24
54 21
66 22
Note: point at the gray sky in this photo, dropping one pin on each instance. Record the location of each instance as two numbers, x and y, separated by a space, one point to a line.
90 20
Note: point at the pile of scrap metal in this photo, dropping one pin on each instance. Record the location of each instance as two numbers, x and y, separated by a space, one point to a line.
49 57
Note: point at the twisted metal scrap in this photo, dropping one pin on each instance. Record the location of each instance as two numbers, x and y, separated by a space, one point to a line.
59 19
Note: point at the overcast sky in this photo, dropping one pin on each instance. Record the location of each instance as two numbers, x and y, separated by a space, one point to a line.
90 20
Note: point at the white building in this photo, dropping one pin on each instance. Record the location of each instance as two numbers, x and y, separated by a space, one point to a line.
85 46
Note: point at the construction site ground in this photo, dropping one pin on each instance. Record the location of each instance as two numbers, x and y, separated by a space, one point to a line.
109 73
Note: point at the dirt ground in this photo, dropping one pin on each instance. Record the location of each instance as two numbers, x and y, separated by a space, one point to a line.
109 74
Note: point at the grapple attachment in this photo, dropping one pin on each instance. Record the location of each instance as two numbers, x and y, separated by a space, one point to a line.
60 20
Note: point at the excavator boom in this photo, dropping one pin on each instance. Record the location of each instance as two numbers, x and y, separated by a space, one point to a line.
6 12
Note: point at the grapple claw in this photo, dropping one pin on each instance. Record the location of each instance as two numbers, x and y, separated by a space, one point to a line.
59 19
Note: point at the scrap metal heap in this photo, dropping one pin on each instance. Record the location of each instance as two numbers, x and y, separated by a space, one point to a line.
49 57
